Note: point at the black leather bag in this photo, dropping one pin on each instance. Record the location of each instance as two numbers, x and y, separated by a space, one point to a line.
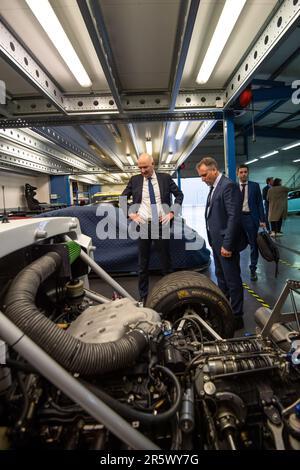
268 249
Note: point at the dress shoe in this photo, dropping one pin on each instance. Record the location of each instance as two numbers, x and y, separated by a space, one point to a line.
238 322
253 276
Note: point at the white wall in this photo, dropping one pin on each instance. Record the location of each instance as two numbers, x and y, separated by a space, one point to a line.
14 189
194 190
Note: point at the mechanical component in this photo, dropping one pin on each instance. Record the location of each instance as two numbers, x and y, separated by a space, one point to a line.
177 383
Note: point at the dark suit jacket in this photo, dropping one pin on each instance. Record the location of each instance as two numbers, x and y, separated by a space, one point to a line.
166 185
255 203
224 220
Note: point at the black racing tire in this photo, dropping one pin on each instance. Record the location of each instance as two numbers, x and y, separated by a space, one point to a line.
176 292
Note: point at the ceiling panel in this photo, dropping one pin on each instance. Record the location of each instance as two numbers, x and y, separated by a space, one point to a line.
142 36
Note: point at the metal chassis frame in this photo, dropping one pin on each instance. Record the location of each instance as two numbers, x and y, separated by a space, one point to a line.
277 315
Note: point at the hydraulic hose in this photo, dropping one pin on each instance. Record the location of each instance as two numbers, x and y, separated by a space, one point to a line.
70 352
131 413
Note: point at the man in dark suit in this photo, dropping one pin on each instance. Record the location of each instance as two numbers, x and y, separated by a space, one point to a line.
253 215
269 184
223 215
151 194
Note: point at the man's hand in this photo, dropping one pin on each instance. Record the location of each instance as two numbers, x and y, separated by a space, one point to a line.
225 253
166 218
262 224
136 218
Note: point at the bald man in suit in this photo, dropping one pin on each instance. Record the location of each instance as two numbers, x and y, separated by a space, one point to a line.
151 192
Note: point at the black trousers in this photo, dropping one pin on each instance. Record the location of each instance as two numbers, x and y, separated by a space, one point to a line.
276 226
162 246
228 273
251 230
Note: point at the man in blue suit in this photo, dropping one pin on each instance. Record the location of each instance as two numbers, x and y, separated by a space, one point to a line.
223 216
253 215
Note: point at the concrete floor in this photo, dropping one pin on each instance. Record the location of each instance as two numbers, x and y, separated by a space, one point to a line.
267 287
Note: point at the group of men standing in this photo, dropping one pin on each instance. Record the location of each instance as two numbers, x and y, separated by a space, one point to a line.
233 215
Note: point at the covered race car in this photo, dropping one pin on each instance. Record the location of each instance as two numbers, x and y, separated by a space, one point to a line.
117 251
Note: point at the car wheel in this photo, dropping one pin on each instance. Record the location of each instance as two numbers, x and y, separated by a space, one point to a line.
189 292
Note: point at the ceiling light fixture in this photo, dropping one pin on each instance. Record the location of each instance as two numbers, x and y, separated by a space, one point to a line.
295 161
149 146
44 13
230 13
251 161
288 147
269 154
130 160
181 129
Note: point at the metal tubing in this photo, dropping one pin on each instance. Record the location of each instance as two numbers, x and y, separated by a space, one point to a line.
50 369
101 273
97 297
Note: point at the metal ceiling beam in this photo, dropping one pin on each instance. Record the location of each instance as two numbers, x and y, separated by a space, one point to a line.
286 119
186 22
44 122
282 22
25 140
107 150
94 21
71 149
104 103
274 132
13 51
18 156
283 93
278 91
285 64
162 167
263 114
8 168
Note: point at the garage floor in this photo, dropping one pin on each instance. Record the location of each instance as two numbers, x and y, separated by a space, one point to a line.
266 290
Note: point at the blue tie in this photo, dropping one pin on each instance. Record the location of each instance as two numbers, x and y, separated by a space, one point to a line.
152 201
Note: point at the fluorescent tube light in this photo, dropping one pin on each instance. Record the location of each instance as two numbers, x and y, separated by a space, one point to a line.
295 161
230 13
169 158
181 129
269 154
149 146
251 161
44 13
290 146
130 160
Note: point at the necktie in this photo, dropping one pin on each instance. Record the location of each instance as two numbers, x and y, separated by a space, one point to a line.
208 201
243 191
152 201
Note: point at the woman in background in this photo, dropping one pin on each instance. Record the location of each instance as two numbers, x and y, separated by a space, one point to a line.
277 197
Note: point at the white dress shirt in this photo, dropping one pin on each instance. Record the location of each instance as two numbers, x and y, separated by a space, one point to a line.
145 207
